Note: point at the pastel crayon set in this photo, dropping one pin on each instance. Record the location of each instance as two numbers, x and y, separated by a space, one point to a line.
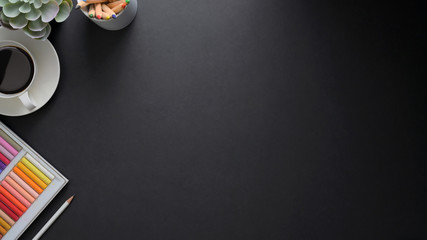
27 184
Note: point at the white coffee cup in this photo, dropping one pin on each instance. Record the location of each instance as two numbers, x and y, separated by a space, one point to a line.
24 95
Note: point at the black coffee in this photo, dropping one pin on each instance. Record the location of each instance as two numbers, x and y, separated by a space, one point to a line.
16 70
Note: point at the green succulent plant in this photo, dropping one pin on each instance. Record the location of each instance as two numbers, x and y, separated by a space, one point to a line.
33 16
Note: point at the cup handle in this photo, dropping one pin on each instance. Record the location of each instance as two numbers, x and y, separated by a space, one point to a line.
27 101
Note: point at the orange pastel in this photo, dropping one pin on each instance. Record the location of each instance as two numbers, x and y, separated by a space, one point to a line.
26 179
30 174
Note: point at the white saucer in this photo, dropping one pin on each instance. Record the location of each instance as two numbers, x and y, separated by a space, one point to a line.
46 78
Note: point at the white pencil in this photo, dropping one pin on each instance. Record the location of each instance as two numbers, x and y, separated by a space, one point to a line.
53 218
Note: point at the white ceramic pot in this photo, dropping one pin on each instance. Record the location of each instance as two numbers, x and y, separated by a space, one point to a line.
124 18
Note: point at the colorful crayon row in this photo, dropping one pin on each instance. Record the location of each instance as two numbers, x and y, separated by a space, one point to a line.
103 9
7 153
19 189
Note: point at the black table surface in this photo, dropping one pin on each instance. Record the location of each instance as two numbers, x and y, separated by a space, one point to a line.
241 119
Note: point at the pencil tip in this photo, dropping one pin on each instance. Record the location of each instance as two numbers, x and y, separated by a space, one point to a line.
71 198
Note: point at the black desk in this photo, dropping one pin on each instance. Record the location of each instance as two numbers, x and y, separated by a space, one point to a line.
240 119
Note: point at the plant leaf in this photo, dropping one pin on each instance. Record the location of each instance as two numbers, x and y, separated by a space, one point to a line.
34 34
4 21
18 22
37 3
70 2
12 9
4 18
46 35
49 11
25 8
3 2
37 25
64 12
33 14
59 2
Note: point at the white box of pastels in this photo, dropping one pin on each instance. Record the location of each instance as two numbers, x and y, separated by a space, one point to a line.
8 177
